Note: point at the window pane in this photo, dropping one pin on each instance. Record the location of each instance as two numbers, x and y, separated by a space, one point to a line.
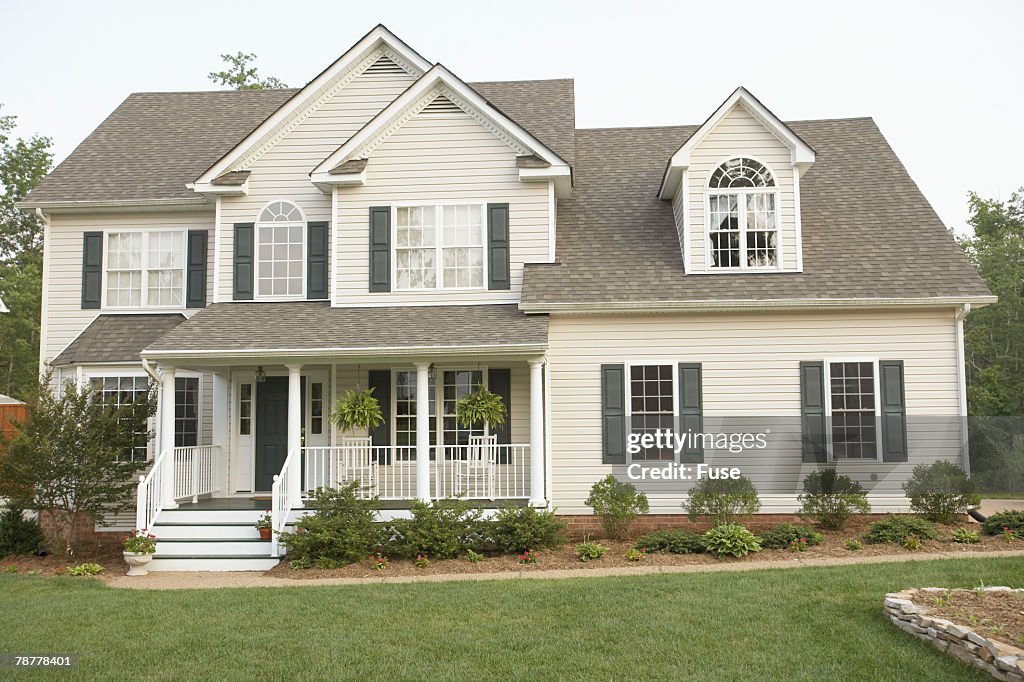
652 405
280 251
121 391
852 388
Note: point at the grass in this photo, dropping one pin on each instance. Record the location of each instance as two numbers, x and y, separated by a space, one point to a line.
804 624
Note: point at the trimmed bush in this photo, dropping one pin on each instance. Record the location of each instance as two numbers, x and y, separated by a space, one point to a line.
443 529
672 542
19 535
782 535
830 499
940 491
618 504
723 499
341 530
1014 520
896 529
732 539
516 529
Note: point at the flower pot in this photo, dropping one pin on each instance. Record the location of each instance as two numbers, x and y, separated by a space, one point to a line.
137 562
265 533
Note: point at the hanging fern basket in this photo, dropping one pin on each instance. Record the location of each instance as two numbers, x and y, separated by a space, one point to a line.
480 407
357 409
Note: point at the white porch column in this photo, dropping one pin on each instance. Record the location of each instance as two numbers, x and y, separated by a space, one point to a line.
423 431
295 433
221 429
537 433
167 434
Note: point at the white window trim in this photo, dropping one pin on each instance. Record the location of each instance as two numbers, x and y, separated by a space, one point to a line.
742 213
828 408
674 375
438 246
144 301
256 252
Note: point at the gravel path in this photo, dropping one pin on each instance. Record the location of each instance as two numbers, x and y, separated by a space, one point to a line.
167 580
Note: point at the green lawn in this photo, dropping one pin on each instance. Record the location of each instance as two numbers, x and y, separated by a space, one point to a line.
815 623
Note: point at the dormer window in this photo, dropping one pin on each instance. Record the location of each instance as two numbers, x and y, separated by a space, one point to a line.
742 212
280 251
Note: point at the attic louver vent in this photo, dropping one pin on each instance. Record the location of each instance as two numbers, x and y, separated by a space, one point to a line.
384 65
441 105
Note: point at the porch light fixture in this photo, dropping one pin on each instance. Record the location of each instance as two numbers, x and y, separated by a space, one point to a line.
431 371
261 376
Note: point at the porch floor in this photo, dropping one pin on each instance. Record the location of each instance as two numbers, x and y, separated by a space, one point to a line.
261 503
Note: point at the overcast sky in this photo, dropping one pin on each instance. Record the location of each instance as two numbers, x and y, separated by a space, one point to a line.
943 80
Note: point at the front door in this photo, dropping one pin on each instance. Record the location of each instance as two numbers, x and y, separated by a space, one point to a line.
271 430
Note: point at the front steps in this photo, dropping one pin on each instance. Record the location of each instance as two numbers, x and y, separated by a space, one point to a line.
191 539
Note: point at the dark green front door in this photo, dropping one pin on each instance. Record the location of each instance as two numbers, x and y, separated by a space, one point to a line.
271 430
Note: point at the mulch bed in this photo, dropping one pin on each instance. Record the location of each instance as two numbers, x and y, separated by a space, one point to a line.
107 556
995 615
833 545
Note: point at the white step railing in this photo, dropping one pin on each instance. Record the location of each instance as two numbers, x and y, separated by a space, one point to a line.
196 471
149 497
389 472
281 502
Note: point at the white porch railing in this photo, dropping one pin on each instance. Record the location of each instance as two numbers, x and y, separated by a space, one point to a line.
196 471
281 502
149 498
501 472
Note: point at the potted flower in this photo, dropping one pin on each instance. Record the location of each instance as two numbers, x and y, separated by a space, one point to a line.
138 550
265 526
481 407
357 409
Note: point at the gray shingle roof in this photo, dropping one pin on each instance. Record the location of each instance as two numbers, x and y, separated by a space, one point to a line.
155 143
116 338
868 232
315 325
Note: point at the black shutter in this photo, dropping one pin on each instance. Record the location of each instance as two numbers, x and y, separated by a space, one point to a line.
691 411
500 382
380 381
894 411
498 276
380 248
613 413
812 411
195 272
92 270
245 247
316 261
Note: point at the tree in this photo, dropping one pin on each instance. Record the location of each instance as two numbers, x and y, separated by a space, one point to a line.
72 457
240 76
23 164
994 335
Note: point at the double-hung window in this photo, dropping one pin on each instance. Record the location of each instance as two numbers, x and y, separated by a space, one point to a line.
439 247
145 269
281 251
121 391
651 406
742 216
853 404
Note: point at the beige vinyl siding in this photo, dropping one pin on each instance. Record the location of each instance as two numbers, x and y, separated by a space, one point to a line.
679 213
447 158
65 318
740 134
282 173
750 367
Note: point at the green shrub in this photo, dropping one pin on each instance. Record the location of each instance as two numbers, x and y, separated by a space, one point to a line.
474 557
854 545
830 499
85 569
618 504
782 535
998 522
673 541
443 529
731 538
965 537
519 528
940 491
19 535
588 550
723 499
912 542
896 529
340 531
635 554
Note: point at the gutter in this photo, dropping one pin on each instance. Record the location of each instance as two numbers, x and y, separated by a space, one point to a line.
961 379
712 305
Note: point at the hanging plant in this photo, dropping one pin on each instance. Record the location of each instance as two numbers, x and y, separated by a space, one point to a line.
357 409
480 407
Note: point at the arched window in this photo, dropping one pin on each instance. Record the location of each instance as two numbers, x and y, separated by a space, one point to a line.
742 216
281 251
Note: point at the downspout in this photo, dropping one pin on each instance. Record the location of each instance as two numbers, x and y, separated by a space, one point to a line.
44 286
961 377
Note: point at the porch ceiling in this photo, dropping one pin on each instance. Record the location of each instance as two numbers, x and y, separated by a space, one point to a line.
308 329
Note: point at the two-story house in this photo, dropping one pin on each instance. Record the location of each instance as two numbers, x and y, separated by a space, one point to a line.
258 253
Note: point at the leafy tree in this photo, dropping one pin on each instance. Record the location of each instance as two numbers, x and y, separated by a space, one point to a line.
241 76
69 457
23 163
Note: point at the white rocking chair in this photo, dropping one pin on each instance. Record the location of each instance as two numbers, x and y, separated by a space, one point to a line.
355 463
476 474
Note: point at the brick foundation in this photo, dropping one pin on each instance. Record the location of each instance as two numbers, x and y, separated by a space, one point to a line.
87 535
589 524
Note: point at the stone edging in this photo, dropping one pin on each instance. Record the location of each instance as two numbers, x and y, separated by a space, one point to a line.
1002 661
